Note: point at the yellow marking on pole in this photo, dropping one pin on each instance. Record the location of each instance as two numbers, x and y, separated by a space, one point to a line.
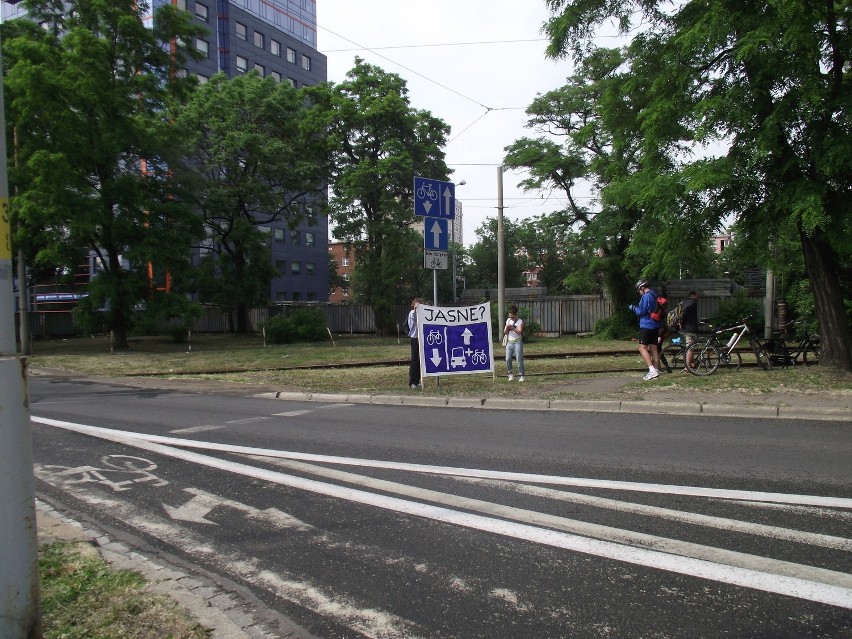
5 231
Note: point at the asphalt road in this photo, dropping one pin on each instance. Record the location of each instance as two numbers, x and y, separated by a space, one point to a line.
399 521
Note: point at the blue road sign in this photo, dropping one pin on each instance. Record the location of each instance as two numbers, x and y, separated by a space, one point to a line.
434 198
455 340
435 234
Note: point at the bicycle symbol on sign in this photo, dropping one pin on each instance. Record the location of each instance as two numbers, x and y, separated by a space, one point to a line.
434 337
426 191
478 357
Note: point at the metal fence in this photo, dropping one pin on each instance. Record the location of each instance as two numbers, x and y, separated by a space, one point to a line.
555 315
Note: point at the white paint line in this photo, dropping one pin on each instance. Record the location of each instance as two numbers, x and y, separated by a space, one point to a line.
195 429
744 577
369 622
334 406
529 478
587 529
695 519
292 413
248 420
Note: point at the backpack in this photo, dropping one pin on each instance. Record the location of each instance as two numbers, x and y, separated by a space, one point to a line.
675 316
659 309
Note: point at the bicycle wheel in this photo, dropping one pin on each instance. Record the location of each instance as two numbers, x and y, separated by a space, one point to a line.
675 356
761 354
778 353
731 359
810 355
705 358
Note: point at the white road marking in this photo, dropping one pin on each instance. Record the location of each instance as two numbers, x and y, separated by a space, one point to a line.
292 413
376 624
696 519
195 429
203 502
793 586
529 478
248 420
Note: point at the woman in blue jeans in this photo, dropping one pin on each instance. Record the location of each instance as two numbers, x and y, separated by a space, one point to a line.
514 329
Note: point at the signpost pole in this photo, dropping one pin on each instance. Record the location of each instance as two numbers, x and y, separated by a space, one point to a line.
19 599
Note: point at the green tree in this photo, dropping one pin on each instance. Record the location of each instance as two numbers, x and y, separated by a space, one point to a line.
591 136
481 267
253 162
770 83
379 143
90 101
548 242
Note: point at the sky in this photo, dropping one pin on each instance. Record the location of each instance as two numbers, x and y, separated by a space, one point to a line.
476 64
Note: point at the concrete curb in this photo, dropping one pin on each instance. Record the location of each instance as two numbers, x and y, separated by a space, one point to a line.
706 409
220 611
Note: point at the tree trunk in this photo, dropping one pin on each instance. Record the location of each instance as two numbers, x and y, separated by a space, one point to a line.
822 267
242 319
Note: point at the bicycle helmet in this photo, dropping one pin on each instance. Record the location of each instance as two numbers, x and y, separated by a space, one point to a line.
641 284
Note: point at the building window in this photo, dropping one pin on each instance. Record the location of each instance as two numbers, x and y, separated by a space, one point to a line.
201 12
310 269
291 55
309 238
259 40
281 266
345 291
242 34
295 238
281 296
278 234
346 276
275 47
242 64
297 297
295 268
275 75
306 63
202 46
345 261
181 4
203 79
312 297
292 82
260 69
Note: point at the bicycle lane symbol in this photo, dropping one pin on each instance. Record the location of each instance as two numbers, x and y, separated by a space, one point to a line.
137 470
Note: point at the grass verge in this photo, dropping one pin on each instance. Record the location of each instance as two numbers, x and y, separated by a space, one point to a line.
82 597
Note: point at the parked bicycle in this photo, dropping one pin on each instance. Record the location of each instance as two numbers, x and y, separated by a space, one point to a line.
808 348
708 354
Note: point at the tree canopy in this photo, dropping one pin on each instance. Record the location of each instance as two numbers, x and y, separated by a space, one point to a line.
252 162
378 143
90 103
746 107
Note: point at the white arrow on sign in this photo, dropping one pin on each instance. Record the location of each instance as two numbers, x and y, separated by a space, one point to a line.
448 200
428 206
436 356
436 234
466 335
196 509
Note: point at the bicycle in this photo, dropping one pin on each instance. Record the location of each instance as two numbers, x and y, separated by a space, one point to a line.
780 355
708 354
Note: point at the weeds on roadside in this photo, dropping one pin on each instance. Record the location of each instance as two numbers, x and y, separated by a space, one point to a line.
82 597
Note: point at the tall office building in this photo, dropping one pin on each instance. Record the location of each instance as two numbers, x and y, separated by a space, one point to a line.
277 38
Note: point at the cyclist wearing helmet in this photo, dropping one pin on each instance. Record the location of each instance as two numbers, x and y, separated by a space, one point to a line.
649 329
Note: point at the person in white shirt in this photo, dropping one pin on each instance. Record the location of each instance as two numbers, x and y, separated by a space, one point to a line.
514 330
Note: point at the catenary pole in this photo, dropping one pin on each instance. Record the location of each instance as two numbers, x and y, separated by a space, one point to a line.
19 597
501 250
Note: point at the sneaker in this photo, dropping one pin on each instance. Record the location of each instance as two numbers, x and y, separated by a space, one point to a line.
521 378
511 377
415 386
651 375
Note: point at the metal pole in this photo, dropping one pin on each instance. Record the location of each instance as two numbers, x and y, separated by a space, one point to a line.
769 305
435 287
453 247
501 250
19 598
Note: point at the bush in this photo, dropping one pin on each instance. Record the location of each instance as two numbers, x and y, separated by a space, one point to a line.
620 325
740 307
302 325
